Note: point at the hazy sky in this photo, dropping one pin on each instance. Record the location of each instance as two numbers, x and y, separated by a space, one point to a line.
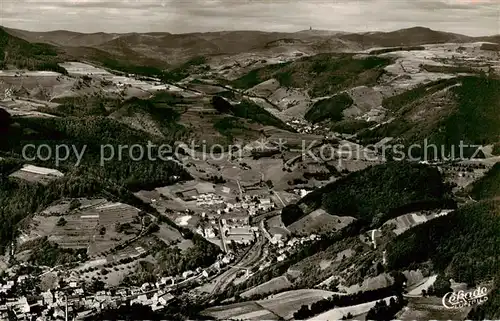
472 17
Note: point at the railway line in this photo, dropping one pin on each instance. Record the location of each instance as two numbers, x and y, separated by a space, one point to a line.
250 260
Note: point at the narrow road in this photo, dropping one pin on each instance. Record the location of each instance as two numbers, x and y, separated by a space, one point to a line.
264 231
256 219
239 187
222 236
279 197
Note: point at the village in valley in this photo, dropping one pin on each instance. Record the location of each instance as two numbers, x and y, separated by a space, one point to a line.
302 214
229 203
105 242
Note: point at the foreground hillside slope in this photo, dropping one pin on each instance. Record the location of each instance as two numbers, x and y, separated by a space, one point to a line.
463 244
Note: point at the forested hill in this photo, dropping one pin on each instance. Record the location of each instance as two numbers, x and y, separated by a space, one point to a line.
488 187
445 112
376 194
464 243
18 53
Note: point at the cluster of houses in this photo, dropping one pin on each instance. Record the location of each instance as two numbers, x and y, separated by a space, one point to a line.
235 228
57 303
39 306
234 218
75 299
255 205
303 127
208 199
6 288
286 248
252 205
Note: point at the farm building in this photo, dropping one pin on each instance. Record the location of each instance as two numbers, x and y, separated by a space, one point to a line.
163 300
188 195
243 235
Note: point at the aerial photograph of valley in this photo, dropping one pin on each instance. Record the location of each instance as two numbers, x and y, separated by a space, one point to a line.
250 160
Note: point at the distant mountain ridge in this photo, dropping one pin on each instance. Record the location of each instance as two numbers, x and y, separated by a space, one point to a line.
405 37
419 35
177 48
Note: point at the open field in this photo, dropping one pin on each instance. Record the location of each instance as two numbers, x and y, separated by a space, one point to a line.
113 276
39 85
319 221
281 305
83 79
430 308
407 69
175 200
168 234
277 284
133 250
241 311
338 313
464 177
380 281
34 174
407 221
24 107
276 226
83 69
286 303
91 225
337 262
